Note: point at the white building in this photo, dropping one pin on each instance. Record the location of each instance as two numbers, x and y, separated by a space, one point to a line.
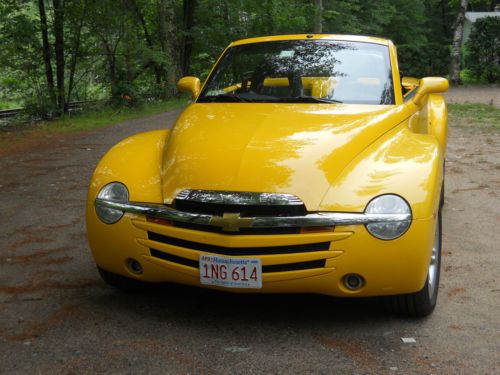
471 17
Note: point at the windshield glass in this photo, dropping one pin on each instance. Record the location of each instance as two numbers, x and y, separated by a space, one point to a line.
302 71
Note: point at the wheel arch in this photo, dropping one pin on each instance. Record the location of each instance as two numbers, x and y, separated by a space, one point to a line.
438 119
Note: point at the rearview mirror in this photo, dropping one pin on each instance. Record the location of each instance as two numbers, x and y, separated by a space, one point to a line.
189 84
430 85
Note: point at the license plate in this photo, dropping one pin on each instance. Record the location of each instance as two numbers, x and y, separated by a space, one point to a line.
230 272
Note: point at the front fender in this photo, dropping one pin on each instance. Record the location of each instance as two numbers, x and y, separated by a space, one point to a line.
438 119
400 162
135 162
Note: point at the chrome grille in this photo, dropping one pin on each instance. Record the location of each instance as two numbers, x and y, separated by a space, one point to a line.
220 204
245 203
239 198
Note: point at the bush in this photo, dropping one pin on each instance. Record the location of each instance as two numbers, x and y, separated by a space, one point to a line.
39 108
423 60
483 46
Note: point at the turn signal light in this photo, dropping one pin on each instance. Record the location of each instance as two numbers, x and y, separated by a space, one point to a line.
304 230
160 221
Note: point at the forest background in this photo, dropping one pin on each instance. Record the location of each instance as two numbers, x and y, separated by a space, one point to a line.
127 52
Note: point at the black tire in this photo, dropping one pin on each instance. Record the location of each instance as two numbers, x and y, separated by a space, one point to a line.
441 201
423 302
120 282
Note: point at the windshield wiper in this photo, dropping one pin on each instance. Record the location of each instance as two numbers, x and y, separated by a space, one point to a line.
307 99
223 98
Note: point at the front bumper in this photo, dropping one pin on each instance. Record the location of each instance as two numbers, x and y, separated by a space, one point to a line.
292 263
310 220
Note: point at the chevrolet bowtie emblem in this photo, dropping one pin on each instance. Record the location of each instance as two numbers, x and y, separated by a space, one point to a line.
231 222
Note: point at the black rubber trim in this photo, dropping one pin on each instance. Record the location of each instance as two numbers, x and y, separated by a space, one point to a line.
213 229
244 210
174 258
271 268
289 249
294 266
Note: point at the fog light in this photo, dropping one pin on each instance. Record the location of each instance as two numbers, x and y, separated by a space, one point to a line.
134 266
353 281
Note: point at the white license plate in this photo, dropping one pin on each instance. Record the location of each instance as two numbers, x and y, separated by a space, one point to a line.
230 272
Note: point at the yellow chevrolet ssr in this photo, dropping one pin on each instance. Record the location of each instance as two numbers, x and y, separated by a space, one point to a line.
305 164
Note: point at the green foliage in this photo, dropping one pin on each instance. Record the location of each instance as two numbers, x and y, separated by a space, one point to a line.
21 74
422 60
467 78
131 51
219 22
95 118
416 26
483 47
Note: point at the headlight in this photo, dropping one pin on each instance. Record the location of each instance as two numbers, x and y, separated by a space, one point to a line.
115 192
388 204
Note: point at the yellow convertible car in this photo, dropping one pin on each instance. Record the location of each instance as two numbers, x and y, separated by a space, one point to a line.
305 164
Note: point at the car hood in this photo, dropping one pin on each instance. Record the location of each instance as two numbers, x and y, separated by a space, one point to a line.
298 149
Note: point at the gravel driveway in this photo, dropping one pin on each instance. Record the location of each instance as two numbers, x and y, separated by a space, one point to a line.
56 316
474 94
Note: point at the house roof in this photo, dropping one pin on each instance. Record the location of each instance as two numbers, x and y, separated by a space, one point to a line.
474 16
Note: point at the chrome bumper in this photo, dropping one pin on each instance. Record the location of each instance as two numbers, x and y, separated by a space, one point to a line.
233 221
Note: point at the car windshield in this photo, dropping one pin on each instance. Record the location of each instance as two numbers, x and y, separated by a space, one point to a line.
302 71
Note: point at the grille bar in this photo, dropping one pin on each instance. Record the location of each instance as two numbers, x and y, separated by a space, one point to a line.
265 269
213 229
238 250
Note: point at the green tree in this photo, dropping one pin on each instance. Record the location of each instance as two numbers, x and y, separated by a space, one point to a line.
483 57
22 77
55 51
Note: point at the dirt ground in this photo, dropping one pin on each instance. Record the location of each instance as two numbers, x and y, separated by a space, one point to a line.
56 316
474 94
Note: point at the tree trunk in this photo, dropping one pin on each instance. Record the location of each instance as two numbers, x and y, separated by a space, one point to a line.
318 16
111 48
456 50
46 52
75 52
166 32
187 43
149 41
59 49
111 58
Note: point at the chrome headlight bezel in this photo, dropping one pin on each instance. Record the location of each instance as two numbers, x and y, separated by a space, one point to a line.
388 204
114 192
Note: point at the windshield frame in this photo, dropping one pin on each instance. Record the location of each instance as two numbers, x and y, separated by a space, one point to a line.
391 62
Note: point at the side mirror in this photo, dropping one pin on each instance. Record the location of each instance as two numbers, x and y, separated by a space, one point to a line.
191 85
409 83
430 85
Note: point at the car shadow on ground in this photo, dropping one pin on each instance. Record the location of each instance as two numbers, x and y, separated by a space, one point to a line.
198 305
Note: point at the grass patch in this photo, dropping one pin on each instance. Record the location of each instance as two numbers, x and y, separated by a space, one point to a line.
9 105
17 135
95 118
483 116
